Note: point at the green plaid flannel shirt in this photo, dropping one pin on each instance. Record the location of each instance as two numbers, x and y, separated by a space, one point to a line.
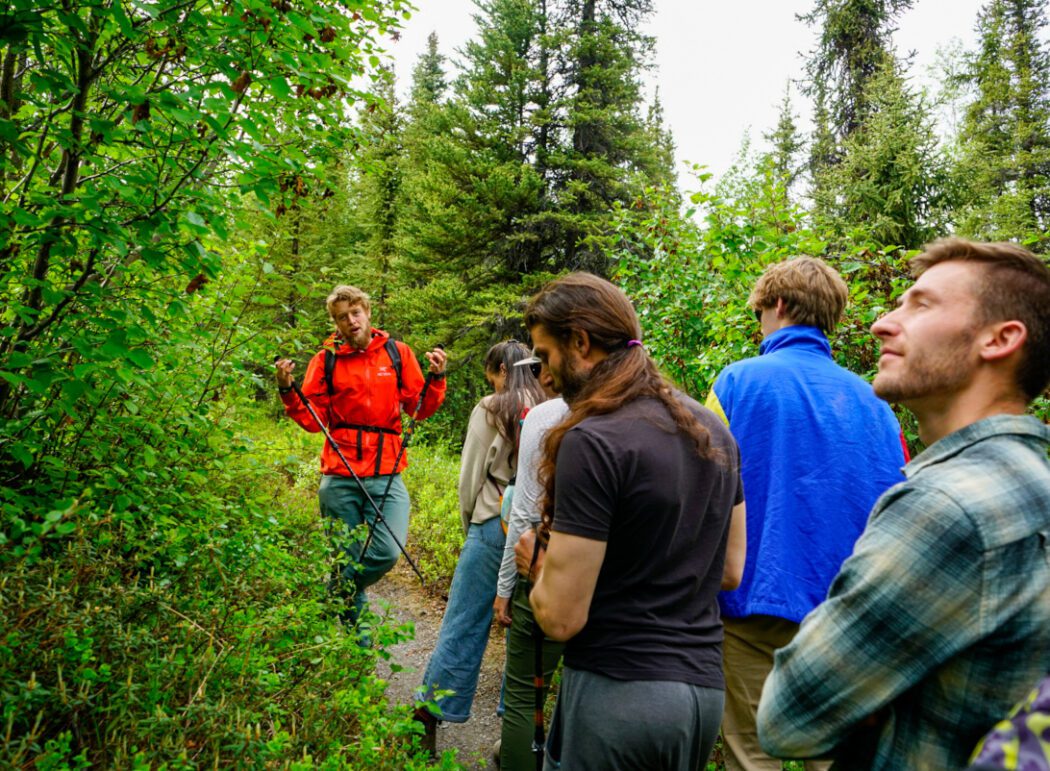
938 622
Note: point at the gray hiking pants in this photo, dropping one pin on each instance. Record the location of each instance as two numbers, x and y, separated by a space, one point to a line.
602 723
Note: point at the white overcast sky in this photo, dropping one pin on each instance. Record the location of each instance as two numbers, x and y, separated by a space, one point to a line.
721 67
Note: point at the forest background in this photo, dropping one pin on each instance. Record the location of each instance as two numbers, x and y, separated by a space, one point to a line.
182 182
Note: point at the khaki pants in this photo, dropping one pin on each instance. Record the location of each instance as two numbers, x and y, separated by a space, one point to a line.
747 656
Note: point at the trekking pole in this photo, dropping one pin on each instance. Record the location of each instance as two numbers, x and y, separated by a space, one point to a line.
406 439
360 484
539 738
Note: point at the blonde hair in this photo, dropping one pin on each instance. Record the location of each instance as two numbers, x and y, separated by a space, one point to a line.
350 294
814 294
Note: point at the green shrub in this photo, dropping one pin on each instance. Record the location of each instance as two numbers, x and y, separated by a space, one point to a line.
435 530
191 627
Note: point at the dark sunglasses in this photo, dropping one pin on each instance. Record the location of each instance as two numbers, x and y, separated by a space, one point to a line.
535 368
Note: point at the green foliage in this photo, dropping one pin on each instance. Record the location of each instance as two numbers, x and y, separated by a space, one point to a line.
690 283
786 143
853 44
201 634
128 134
1004 142
435 529
163 597
892 183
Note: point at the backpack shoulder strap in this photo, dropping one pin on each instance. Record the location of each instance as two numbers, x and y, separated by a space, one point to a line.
395 359
329 370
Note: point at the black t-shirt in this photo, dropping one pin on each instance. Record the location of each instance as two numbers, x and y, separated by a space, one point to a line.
631 479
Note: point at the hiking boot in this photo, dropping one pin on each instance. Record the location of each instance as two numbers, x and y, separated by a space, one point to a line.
429 740
495 751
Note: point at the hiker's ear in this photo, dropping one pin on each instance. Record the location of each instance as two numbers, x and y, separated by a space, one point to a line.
580 342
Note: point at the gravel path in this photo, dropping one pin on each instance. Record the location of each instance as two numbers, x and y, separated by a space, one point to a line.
475 738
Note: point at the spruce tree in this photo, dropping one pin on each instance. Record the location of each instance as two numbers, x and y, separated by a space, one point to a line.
429 82
601 54
471 184
656 147
786 144
375 193
877 172
853 45
890 187
1004 165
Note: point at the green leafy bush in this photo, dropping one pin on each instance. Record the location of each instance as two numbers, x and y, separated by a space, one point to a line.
691 282
191 627
435 530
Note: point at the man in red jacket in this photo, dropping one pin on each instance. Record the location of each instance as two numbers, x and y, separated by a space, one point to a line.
358 384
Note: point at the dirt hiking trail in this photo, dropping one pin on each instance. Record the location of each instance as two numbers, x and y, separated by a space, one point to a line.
474 739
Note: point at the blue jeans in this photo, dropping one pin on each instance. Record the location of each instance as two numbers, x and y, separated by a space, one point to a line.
341 498
456 661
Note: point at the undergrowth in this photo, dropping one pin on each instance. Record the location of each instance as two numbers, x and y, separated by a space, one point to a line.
185 623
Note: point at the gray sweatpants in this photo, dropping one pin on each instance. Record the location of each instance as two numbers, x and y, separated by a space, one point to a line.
602 723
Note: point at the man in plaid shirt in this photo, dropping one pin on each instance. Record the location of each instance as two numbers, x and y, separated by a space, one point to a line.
940 620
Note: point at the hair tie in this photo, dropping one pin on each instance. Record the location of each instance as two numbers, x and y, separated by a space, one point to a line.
633 343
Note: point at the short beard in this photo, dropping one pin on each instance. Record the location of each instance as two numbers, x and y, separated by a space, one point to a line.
361 341
927 376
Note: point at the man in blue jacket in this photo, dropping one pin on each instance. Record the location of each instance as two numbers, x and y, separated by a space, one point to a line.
817 449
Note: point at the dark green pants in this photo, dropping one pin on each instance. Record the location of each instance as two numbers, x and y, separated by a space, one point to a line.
519 697
342 498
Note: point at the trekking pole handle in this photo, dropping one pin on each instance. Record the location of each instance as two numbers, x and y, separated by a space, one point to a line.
426 387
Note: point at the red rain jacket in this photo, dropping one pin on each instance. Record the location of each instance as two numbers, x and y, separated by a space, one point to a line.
364 412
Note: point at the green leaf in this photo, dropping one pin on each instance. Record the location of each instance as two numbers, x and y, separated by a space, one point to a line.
280 88
21 453
115 345
26 218
123 22
140 358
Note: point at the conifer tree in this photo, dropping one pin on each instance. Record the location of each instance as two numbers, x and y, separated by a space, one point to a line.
1004 140
375 191
657 146
785 144
876 169
853 44
891 185
601 54
429 82
471 184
